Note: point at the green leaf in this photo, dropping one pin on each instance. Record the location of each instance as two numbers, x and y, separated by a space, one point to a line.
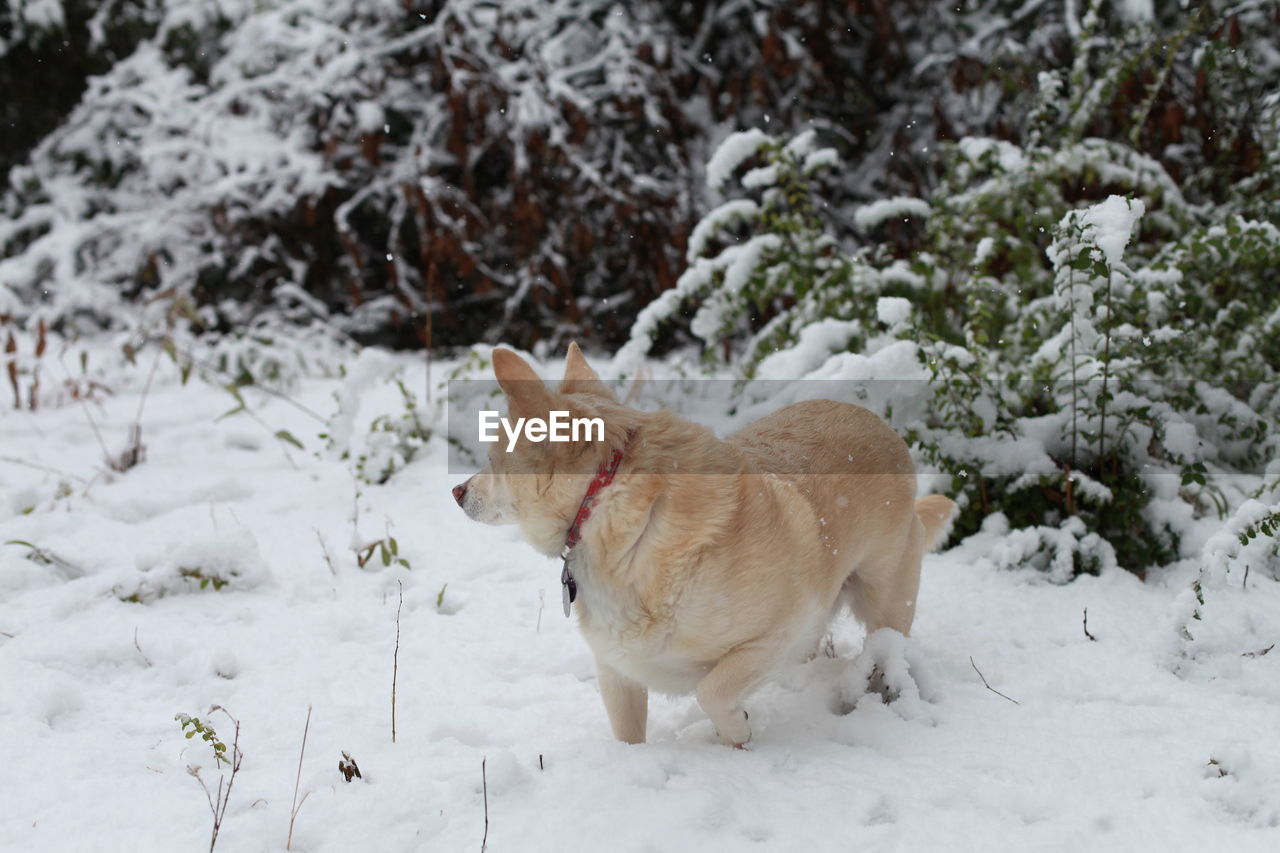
285 435
240 403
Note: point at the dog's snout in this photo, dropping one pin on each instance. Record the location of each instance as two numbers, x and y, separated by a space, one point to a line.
460 493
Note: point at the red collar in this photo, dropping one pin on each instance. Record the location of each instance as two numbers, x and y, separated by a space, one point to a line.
603 477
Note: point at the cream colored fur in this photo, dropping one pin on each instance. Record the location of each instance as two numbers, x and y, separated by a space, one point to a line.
707 565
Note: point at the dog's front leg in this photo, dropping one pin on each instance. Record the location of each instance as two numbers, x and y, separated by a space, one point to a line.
626 702
721 691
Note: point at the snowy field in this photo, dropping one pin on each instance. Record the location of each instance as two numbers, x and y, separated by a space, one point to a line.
1137 740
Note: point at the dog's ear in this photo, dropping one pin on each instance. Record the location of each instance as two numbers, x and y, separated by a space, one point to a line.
524 389
579 378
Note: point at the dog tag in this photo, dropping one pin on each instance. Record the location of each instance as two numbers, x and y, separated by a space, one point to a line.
568 586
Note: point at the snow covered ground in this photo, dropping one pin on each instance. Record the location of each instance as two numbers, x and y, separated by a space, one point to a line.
1135 741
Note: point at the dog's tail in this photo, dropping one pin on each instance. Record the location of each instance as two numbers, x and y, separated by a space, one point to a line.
935 512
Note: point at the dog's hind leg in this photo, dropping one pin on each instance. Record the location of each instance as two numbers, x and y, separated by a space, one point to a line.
883 593
721 691
625 701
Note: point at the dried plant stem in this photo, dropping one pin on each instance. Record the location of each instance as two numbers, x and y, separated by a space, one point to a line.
13 460
988 686
146 389
324 547
484 782
93 425
297 781
145 659
1086 626
395 663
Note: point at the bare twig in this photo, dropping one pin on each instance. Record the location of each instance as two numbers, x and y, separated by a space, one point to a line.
1259 653
355 509
395 663
134 450
429 314
1086 626
13 460
484 782
146 389
281 440
324 547
540 767
297 805
93 425
988 686
145 659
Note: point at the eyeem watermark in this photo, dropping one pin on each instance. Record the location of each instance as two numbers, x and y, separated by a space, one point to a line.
557 427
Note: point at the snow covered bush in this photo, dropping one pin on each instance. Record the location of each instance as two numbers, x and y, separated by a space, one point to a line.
1095 312
394 439
1214 614
207 562
472 170
392 162
48 50
786 255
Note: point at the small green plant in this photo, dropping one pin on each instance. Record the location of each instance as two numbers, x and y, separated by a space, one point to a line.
43 556
232 758
1250 537
1268 525
192 726
388 550
197 564
204 580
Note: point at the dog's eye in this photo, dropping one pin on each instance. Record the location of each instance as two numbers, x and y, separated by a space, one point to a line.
497 459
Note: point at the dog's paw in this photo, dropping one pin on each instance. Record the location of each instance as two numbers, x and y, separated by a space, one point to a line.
890 669
734 731
880 686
